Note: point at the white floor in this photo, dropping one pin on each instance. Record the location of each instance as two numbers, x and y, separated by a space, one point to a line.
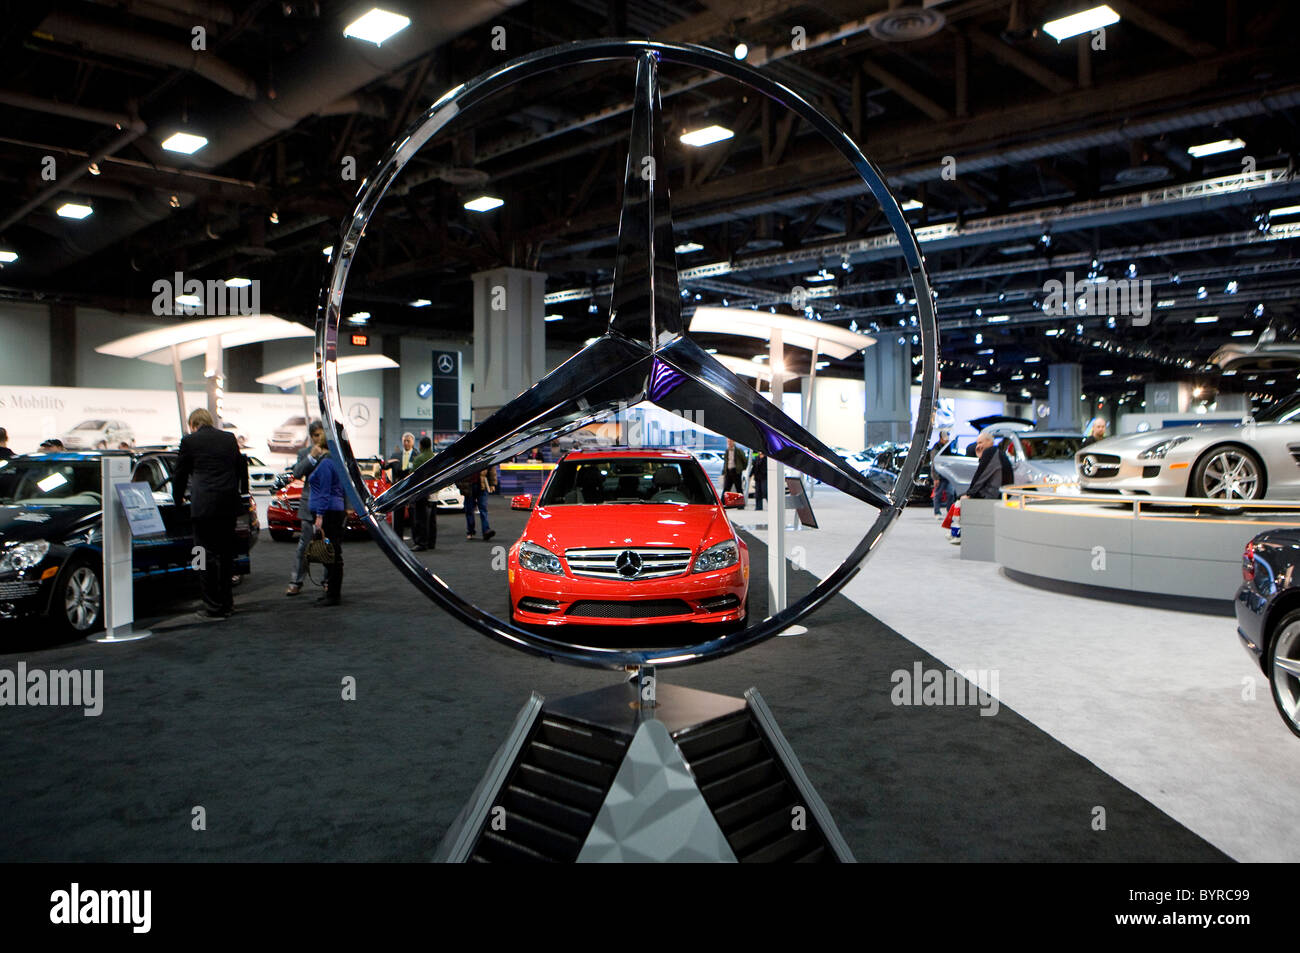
1155 698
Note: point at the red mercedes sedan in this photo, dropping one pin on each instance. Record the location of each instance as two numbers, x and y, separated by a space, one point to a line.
628 538
282 512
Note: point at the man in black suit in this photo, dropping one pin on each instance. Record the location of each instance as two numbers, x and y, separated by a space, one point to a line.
993 472
216 474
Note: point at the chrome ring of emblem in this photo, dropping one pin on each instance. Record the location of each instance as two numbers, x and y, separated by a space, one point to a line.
662 367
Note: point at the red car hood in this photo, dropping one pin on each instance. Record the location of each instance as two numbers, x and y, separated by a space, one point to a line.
671 525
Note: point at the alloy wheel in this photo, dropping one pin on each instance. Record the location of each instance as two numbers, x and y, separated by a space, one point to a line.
82 599
1230 475
1286 674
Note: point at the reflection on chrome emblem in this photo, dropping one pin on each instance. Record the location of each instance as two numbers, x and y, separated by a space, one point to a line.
645 355
628 564
1089 465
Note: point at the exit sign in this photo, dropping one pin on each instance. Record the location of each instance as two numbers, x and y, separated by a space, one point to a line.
361 340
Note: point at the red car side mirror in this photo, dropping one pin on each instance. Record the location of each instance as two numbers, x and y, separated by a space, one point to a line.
524 501
731 500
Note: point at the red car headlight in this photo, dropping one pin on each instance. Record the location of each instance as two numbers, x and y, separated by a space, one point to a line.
539 559
719 556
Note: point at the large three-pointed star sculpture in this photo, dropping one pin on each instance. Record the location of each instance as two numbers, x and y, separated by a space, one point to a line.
645 355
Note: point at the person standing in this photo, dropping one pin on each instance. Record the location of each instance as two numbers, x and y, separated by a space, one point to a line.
943 496
424 532
301 470
211 467
476 490
5 452
758 474
399 464
328 512
1096 431
735 466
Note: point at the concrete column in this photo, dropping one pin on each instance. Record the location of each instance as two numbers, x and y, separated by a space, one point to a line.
887 366
243 367
1168 397
63 349
509 337
1064 387
391 389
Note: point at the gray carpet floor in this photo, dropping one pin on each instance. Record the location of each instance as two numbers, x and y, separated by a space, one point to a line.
245 718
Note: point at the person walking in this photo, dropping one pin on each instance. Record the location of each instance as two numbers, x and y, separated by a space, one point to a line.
399 464
758 473
302 469
211 467
424 531
943 495
328 509
476 490
735 465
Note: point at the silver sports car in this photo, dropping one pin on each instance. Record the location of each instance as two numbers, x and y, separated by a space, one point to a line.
1244 461
1038 456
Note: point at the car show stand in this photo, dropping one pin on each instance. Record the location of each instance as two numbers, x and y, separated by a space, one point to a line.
1164 546
609 776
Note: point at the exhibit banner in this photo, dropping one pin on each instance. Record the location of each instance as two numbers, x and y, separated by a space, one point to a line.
270 427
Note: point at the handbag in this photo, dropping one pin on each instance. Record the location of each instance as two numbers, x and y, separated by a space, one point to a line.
321 550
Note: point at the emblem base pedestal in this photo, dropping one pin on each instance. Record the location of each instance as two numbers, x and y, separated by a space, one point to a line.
604 777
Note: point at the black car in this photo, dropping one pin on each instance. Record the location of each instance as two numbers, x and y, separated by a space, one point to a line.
51 558
883 463
1268 615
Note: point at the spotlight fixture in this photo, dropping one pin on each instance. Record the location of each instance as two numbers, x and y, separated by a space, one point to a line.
484 203
327 250
376 26
185 143
706 136
93 168
741 51
274 218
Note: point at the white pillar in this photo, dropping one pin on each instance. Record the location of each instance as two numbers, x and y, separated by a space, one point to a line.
509 337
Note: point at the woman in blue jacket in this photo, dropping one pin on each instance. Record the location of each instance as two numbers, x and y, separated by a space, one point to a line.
327 506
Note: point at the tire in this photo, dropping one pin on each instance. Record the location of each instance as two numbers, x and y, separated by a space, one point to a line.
1283 668
1229 473
77 605
282 535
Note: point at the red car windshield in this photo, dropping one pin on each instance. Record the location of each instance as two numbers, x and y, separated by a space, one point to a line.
628 480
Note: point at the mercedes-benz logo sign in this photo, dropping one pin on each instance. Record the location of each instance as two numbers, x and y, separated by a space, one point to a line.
645 355
628 564
359 414
1089 466
445 364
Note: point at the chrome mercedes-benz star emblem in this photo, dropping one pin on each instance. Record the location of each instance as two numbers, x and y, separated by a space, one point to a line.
628 564
645 354
1089 465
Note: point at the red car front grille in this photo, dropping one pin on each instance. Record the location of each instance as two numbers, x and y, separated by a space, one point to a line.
632 609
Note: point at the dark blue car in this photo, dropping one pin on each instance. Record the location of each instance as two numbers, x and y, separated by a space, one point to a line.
1268 615
51 558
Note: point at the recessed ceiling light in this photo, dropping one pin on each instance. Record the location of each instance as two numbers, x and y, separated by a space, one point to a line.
1242 334
999 318
1284 210
822 275
553 317
1207 319
1214 148
189 301
1105 373
238 282
73 210
1083 22
706 136
484 203
327 250
420 303
1032 360
8 257
376 26
184 143
361 317
741 51
911 205
685 248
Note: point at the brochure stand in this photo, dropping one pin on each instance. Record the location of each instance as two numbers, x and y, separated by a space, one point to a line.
119 596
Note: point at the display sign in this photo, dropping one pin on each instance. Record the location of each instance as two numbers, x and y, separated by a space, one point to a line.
799 500
141 509
445 390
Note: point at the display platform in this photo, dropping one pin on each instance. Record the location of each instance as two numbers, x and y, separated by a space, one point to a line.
1166 547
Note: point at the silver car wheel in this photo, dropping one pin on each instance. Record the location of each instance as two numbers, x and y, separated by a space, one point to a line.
82 599
1230 475
1286 674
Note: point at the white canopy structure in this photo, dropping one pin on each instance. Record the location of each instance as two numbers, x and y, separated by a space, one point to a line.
174 343
300 375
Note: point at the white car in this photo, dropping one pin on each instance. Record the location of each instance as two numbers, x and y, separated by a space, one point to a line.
1037 456
289 437
260 476
1243 461
449 498
89 434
